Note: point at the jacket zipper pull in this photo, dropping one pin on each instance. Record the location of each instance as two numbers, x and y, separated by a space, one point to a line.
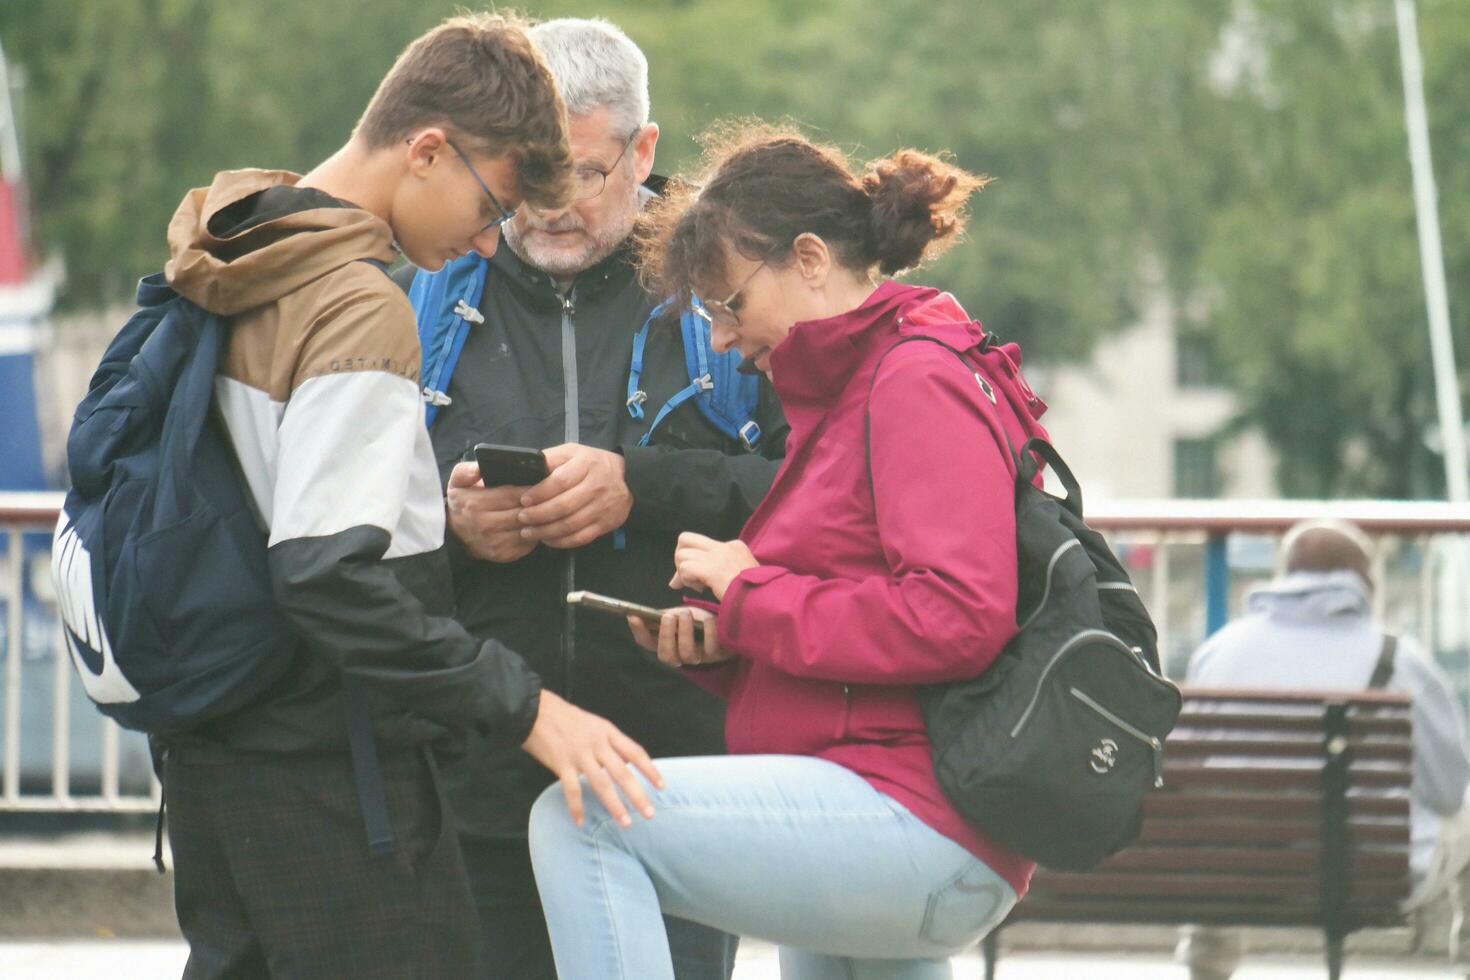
846 710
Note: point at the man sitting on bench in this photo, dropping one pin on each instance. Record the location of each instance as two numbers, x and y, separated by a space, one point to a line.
1312 630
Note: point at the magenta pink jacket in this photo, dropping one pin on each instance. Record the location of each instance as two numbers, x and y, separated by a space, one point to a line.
854 602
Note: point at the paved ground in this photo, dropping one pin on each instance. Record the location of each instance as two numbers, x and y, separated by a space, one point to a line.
141 960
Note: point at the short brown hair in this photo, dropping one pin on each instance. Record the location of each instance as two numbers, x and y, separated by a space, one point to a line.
479 77
763 185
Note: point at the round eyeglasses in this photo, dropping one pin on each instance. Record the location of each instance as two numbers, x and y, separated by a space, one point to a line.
592 181
721 311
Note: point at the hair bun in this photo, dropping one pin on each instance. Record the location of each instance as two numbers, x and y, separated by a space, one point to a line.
918 207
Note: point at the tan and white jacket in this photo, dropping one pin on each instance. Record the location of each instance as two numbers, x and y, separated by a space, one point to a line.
318 391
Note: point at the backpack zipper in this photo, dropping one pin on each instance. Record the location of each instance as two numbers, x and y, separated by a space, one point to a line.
1051 567
1066 647
1120 586
1142 736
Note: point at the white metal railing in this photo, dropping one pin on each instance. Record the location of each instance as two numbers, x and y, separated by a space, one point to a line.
1209 553
114 777
1178 551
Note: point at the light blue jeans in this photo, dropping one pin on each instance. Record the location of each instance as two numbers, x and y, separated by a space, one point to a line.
789 849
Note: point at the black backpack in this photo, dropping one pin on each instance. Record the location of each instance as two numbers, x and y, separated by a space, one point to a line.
1052 749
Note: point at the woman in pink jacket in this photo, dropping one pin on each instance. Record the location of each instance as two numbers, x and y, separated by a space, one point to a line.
825 831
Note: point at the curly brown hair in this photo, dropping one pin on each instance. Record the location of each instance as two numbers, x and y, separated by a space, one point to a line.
479 77
761 185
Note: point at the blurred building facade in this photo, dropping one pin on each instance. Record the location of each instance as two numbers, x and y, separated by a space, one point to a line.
1144 417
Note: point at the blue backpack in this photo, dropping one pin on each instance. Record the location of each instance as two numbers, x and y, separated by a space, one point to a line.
162 579
447 303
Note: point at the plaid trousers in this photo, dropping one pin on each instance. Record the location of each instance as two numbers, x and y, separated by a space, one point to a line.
273 876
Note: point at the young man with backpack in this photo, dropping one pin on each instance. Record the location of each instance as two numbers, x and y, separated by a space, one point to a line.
308 829
551 345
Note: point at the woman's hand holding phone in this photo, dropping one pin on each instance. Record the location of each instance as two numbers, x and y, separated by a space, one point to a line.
676 643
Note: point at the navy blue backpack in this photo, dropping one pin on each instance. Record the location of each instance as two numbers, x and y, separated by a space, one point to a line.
160 564
447 302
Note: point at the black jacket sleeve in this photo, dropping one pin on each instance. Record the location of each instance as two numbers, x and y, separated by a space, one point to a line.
350 606
705 490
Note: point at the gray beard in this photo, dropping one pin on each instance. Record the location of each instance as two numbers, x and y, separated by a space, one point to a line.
562 264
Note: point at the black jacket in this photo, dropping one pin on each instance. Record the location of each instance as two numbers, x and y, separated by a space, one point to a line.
512 387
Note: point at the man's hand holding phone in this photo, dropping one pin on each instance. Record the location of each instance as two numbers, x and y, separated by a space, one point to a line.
564 497
485 518
585 497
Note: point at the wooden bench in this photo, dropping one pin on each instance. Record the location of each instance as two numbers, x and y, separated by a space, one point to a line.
1278 809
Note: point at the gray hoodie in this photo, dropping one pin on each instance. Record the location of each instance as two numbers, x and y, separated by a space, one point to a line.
1314 631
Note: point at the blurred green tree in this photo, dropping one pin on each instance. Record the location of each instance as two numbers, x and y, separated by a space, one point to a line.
1310 261
1054 98
130 102
1252 150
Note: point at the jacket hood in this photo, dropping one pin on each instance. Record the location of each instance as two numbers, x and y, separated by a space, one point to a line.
940 316
1313 597
229 253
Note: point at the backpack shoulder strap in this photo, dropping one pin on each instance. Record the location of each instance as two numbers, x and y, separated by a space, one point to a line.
732 401
191 398
726 398
636 395
1383 669
445 304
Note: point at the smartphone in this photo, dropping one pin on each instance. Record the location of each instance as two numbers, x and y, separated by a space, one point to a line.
510 466
623 608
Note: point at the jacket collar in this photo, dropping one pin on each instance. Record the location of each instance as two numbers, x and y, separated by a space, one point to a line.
229 266
818 357
538 289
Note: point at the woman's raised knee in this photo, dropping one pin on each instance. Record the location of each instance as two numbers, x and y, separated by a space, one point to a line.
550 819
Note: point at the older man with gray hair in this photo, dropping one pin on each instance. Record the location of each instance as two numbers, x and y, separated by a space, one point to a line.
546 364
1312 629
